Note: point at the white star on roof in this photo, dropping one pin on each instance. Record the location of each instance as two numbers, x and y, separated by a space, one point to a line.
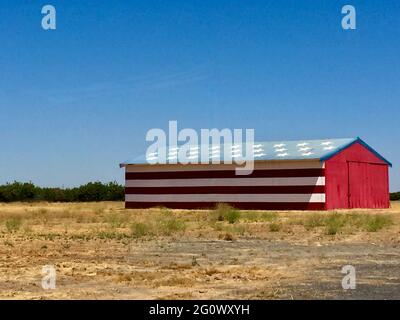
259 155
302 144
329 148
282 154
307 153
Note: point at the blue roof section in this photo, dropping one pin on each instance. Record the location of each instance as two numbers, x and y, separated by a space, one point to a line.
363 143
322 149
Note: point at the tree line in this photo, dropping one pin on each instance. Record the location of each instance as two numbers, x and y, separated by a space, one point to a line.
92 191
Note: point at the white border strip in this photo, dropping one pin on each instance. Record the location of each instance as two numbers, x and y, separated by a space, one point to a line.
258 165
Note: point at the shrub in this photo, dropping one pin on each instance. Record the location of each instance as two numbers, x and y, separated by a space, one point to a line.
224 212
334 224
139 230
376 223
274 227
268 216
111 235
233 216
13 224
313 221
115 221
194 261
171 225
227 237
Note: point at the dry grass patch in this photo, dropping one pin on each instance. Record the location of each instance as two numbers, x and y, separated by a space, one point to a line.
104 220
144 254
258 216
165 223
335 222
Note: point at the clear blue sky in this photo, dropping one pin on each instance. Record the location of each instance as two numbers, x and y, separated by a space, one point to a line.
77 101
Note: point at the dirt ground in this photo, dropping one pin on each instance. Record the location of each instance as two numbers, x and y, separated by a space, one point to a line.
102 251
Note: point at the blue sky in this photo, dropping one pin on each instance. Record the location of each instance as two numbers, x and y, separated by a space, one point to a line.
77 101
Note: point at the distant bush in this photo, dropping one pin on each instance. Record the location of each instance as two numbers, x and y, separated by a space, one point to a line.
92 191
17 191
395 196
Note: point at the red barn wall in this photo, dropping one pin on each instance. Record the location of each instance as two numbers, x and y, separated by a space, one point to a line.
356 178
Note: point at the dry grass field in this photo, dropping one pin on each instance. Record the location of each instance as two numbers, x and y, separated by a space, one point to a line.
102 251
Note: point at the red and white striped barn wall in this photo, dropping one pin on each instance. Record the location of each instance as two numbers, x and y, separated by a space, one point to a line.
274 185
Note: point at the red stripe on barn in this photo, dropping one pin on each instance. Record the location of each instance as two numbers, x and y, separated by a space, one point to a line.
238 205
275 173
226 190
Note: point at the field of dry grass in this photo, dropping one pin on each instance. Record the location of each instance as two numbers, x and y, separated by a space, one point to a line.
101 250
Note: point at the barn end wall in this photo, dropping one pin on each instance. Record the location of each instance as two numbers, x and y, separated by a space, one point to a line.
274 185
367 173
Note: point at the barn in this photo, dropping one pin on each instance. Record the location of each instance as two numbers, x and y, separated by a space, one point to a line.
288 175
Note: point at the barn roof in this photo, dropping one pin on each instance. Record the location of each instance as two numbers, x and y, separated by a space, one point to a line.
321 149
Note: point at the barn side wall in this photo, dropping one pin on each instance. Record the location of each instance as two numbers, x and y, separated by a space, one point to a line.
356 168
274 185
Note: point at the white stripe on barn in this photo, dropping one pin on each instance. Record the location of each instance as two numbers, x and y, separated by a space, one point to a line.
315 197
